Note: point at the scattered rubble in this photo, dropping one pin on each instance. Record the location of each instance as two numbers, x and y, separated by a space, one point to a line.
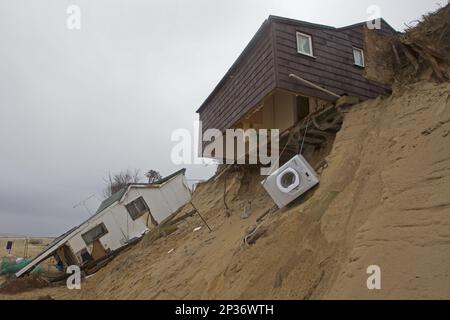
19 285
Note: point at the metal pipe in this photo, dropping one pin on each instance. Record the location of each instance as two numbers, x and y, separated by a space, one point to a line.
314 85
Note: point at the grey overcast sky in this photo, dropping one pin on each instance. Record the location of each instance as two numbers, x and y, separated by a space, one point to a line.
77 104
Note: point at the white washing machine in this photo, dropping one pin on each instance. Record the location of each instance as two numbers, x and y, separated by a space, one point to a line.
290 181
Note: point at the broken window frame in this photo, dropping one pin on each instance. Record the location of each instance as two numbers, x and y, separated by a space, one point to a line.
87 238
134 211
309 38
361 52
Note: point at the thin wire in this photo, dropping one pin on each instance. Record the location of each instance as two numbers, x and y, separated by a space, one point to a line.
251 234
304 136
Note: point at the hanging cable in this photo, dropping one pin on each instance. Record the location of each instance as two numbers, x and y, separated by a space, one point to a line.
304 136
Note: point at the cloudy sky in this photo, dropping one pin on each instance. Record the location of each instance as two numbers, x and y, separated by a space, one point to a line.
77 104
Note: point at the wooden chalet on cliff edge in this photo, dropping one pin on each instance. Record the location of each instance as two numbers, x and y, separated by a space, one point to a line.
257 91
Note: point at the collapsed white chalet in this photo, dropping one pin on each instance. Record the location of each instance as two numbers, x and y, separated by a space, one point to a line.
120 220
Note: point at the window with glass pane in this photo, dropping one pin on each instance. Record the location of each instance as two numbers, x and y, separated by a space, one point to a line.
137 208
359 57
95 233
304 44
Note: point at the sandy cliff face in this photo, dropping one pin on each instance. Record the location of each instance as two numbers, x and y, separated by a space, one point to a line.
384 200
396 197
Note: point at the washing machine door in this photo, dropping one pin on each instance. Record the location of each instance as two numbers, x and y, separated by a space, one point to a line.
288 180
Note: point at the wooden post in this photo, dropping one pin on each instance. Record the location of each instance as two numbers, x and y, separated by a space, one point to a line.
204 221
25 248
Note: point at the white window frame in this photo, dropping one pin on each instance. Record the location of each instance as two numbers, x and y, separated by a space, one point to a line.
362 56
134 211
310 43
104 231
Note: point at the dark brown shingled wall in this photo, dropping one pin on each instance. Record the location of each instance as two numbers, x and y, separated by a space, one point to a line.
272 55
251 80
332 66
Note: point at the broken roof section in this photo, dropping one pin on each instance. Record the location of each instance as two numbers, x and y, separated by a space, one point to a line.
112 200
119 194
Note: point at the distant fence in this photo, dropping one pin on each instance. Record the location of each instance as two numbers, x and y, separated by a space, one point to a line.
24 247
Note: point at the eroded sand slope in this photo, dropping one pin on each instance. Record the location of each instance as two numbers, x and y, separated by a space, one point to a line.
384 200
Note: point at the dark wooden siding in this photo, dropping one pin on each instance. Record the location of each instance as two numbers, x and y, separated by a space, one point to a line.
271 56
244 85
332 66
